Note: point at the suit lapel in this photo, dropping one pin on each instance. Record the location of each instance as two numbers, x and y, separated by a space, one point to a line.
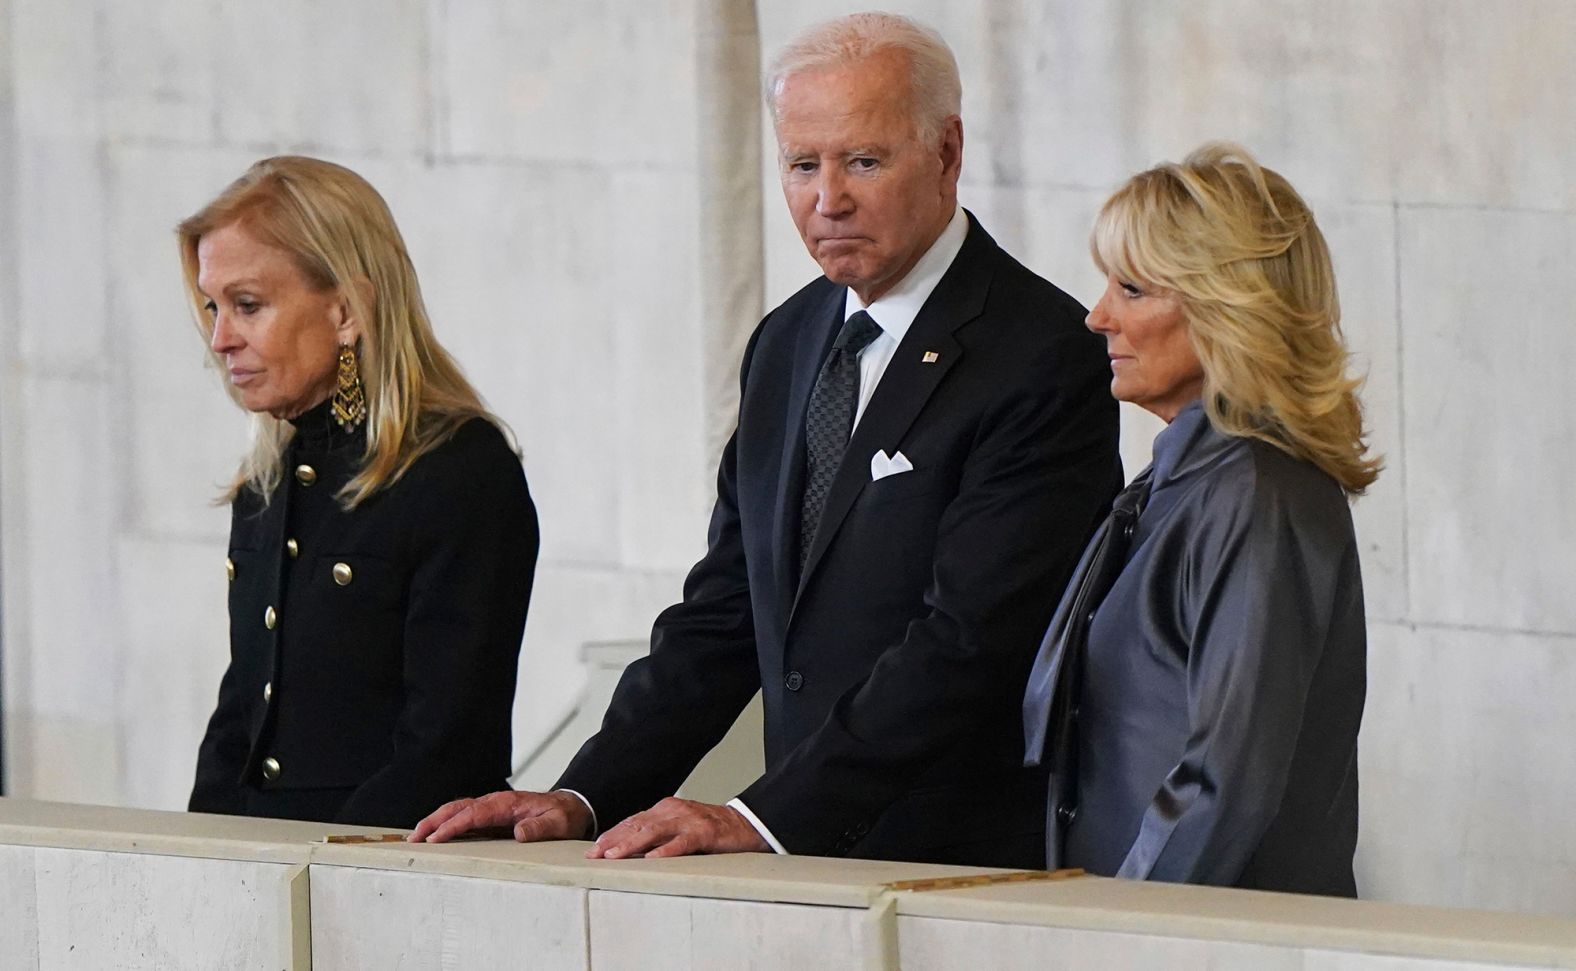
908 382
814 344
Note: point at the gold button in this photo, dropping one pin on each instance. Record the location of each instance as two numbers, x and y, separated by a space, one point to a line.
229 568
342 574
270 769
306 475
270 618
268 692
293 548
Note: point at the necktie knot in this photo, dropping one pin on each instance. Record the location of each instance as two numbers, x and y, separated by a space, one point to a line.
857 333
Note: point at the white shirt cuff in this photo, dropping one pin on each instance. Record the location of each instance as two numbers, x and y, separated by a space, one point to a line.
595 829
760 827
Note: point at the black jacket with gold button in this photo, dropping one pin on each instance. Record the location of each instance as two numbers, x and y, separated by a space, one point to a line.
373 652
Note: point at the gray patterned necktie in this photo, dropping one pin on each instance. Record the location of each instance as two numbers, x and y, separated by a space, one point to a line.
830 420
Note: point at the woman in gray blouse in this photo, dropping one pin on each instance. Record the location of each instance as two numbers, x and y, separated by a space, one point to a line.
1198 695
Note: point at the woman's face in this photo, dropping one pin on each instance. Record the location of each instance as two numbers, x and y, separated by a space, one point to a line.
278 334
1152 360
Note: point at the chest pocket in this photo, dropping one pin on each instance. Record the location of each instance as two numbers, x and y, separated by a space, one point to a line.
355 582
904 485
354 606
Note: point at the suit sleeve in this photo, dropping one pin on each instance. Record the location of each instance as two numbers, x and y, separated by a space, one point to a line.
1041 471
674 705
475 560
1264 585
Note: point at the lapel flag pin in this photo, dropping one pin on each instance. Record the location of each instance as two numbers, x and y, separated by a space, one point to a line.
930 357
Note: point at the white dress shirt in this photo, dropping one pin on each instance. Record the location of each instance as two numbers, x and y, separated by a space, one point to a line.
894 311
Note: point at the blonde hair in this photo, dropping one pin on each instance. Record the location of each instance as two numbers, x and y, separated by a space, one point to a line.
342 237
936 90
1240 247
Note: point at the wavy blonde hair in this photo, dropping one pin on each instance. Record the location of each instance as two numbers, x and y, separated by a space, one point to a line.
1242 250
342 237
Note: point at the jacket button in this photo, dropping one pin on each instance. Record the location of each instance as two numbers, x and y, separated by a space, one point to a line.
270 618
342 574
306 475
1066 814
229 568
268 692
270 769
794 681
292 547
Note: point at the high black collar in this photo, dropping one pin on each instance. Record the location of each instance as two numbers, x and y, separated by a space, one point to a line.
317 431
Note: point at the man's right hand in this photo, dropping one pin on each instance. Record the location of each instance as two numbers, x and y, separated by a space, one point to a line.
528 816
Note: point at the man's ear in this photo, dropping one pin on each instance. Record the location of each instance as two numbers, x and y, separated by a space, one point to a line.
952 149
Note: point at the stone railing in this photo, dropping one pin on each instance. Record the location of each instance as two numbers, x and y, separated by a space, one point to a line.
93 887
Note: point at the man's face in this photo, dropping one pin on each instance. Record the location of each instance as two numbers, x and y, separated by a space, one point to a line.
867 196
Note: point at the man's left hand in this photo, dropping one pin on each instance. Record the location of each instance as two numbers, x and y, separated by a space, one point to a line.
679 827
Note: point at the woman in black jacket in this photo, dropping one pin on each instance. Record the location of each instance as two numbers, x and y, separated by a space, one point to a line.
382 540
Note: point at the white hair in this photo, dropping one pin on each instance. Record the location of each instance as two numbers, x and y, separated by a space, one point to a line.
935 88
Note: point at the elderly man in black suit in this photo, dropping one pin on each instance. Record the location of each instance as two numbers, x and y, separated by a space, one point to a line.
924 444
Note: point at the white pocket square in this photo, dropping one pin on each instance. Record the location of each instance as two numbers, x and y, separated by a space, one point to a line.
881 466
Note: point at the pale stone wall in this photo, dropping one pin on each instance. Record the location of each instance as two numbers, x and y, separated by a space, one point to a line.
543 161
573 180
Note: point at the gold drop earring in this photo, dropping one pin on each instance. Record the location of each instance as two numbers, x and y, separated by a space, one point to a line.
350 403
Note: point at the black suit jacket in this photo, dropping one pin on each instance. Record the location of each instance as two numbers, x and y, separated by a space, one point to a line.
892 669
384 690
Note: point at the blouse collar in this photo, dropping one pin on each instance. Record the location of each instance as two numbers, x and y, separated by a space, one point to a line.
1189 443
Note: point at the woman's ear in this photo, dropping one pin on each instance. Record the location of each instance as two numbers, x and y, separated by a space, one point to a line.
348 325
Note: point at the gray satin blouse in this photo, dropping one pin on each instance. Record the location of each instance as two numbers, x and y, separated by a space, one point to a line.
1224 677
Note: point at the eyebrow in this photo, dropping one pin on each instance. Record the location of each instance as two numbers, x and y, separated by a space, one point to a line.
791 152
242 283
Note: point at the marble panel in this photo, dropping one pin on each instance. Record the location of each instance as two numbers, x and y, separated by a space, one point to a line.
69 504
318 77
1126 84
1488 353
382 919
69 756
158 362
571 606
18 906
1315 960
666 478
175 648
50 43
1362 246
596 82
1466 777
135 911
513 260
1486 115
641 932
933 944
1045 97
60 727
157 76
61 303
